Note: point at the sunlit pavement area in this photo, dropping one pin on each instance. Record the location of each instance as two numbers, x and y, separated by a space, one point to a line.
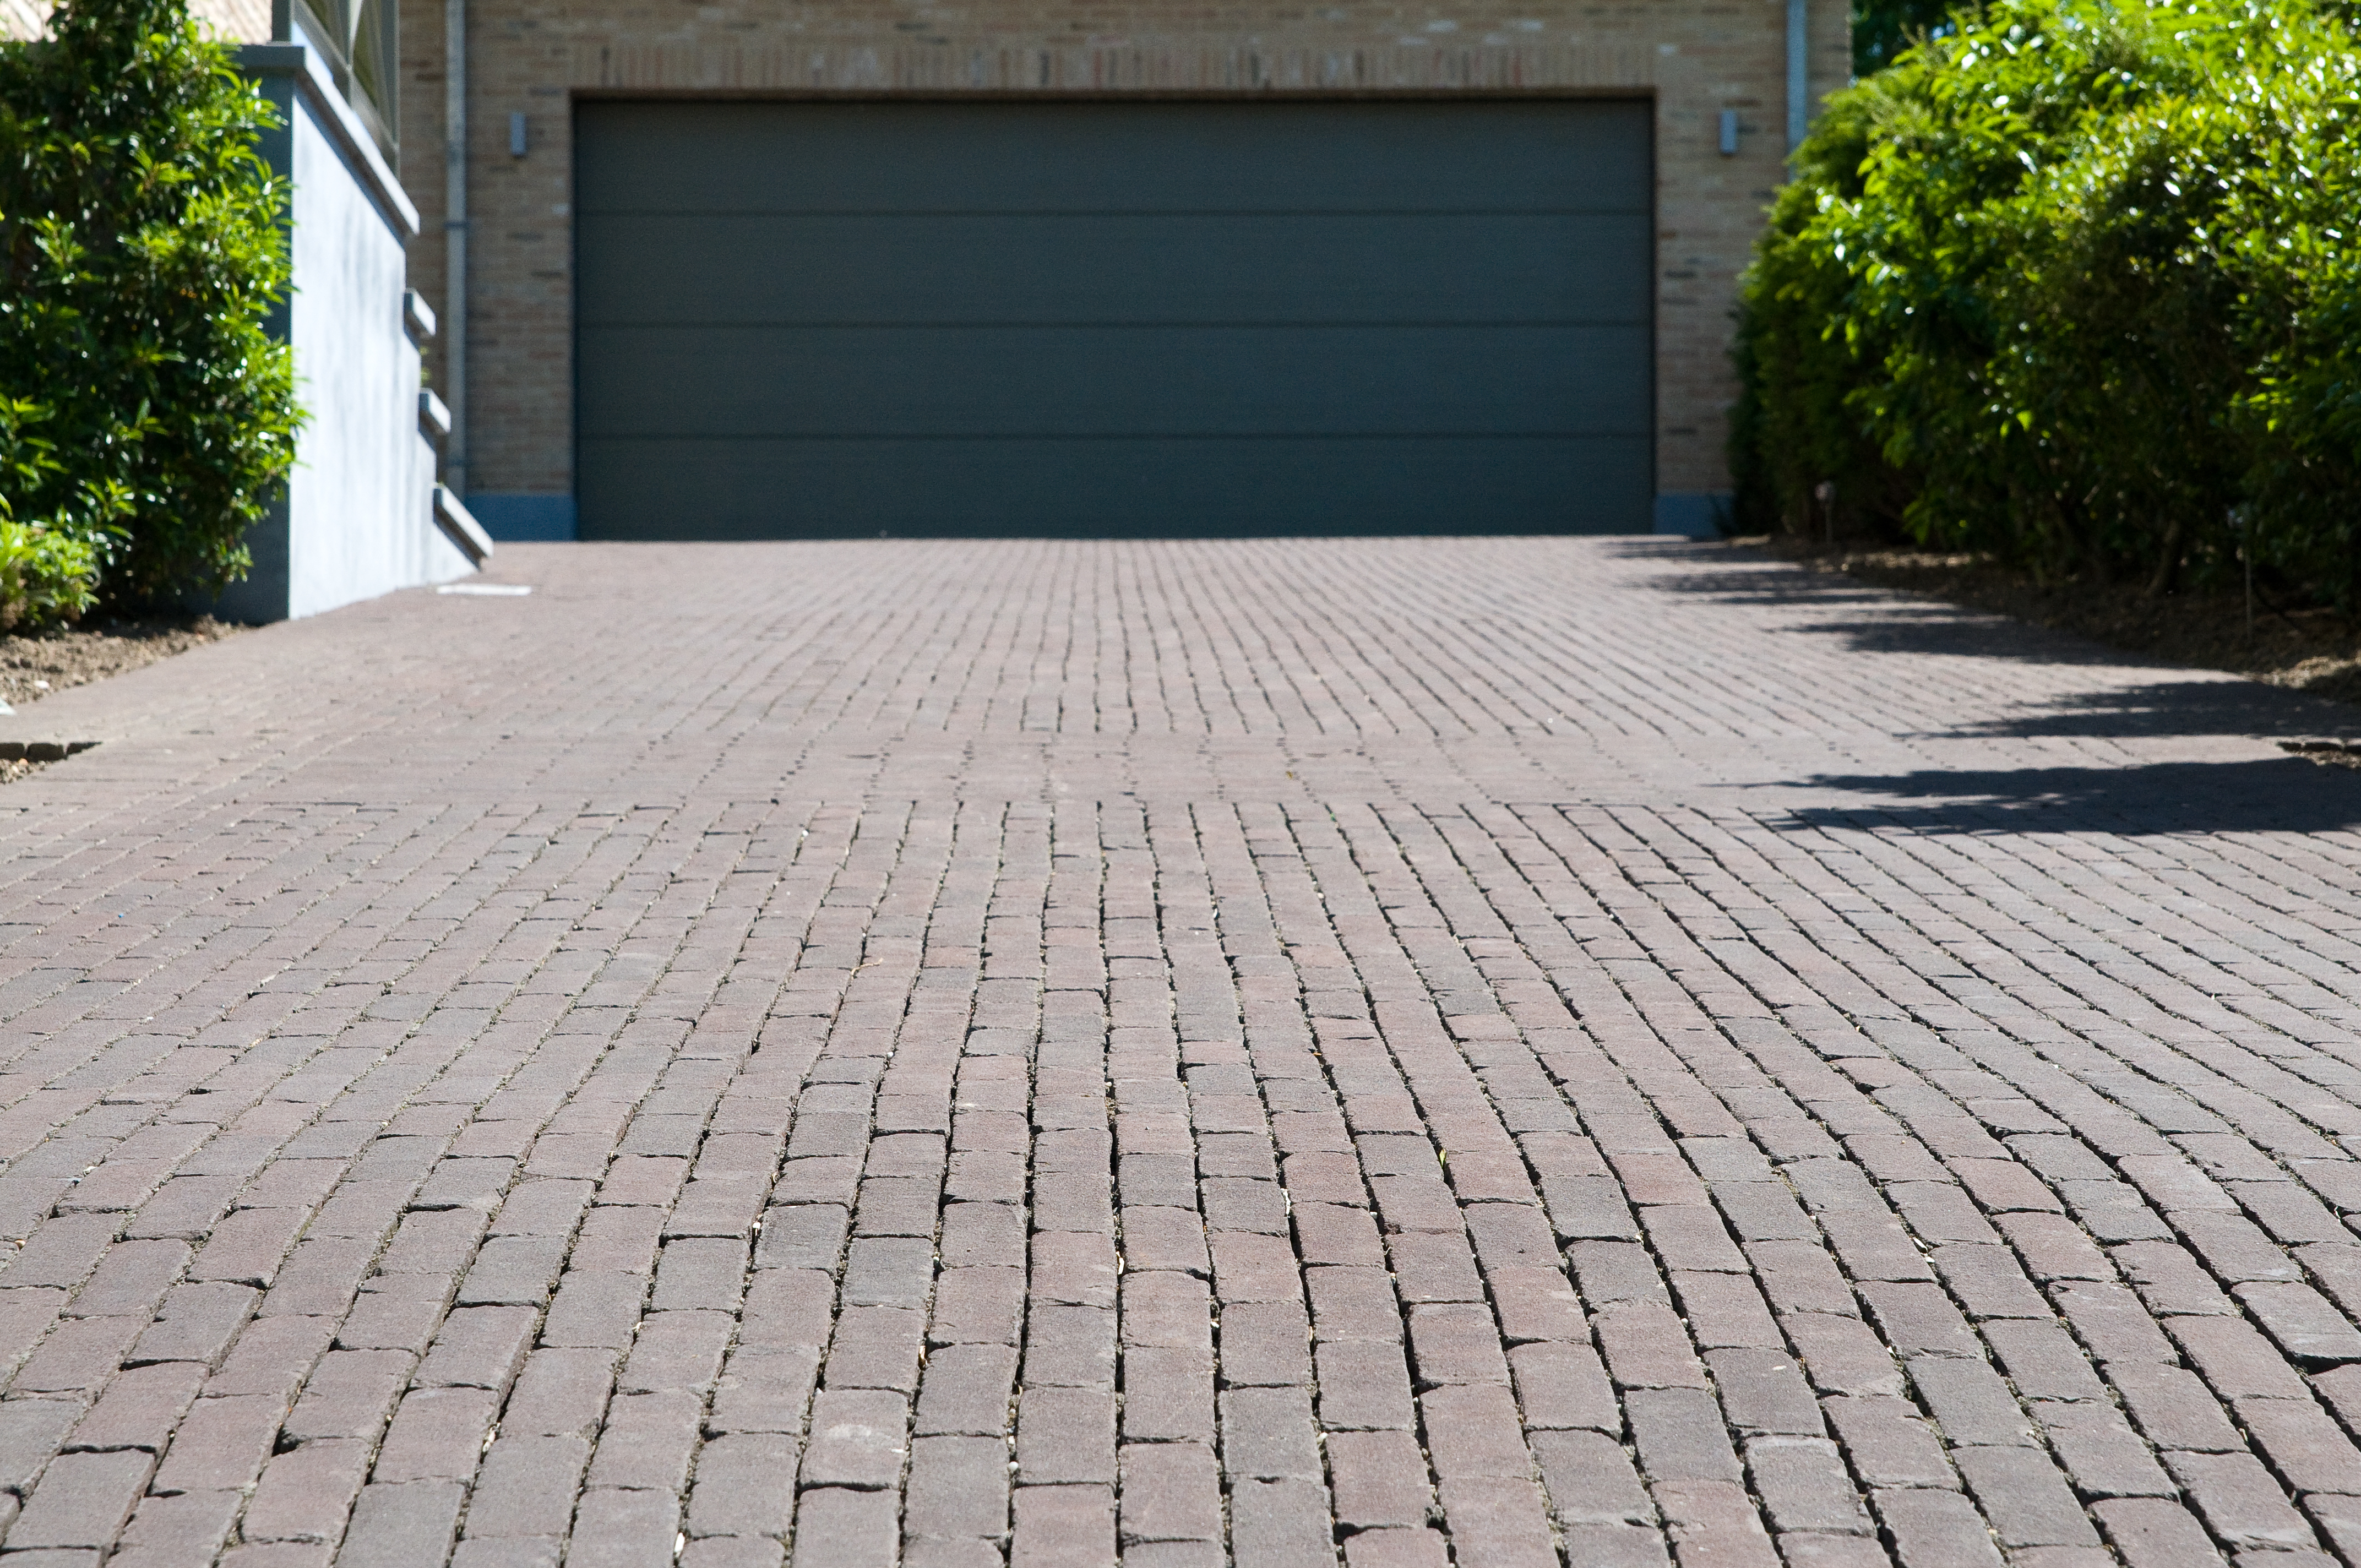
1490 1051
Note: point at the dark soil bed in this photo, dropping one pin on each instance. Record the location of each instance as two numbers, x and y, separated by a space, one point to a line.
33 667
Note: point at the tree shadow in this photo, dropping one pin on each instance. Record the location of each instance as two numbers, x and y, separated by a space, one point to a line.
2147 695
1908 621
2153 709
2268 795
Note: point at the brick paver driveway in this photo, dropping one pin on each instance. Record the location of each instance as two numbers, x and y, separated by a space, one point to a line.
1496 1051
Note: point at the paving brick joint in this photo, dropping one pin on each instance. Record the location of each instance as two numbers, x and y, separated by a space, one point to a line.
1359 1053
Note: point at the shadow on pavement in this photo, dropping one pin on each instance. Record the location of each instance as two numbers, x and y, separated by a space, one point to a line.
2281 794
2171 708
1913 623
1905 622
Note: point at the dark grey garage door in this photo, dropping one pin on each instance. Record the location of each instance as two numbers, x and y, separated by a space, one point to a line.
815 320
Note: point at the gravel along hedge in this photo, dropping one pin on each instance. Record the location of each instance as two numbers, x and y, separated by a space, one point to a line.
2076 284
147 412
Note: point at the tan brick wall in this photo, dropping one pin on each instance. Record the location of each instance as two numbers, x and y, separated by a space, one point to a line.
421 167
1693 58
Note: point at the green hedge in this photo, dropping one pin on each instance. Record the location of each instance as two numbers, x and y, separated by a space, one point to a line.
1882 29
149 414
2075 284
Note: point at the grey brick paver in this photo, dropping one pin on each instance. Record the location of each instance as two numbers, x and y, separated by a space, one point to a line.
1380 1052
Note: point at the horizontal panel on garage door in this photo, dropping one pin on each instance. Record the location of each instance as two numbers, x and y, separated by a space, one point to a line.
800 489
812 319
963 382
835 268
1289 157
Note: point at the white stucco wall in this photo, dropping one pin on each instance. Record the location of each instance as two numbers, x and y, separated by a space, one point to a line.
357 519
360 502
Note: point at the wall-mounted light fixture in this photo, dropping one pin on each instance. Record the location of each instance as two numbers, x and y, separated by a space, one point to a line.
516 134
1730 133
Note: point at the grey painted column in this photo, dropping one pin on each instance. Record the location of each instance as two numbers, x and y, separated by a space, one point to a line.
1799 76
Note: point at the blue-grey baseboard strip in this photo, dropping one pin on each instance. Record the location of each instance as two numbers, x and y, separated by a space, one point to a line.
1695 514
522 519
